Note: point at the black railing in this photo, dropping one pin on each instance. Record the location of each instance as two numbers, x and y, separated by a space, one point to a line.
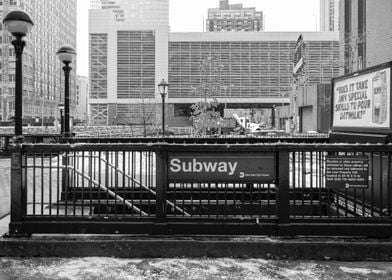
125 188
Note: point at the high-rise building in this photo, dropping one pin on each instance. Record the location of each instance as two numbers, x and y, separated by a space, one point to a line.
43 87
365 38
329 15
234 18
128 57
131 54
257 68
82 90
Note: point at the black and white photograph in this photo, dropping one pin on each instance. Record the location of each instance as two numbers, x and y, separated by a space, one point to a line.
195 139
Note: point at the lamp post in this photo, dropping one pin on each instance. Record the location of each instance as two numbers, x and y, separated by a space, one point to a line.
273 117
163 86
61 108
19 25
66 54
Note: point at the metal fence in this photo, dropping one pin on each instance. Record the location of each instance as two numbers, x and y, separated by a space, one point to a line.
124 188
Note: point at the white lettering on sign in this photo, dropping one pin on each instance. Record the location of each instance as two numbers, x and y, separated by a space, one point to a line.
176 165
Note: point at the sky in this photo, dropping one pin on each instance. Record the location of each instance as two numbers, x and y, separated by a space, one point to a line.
190 16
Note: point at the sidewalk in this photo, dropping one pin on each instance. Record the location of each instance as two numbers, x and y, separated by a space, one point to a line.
178 258
142 246
183 269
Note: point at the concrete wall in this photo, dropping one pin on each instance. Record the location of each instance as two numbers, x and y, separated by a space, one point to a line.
379 26
314 105
378 48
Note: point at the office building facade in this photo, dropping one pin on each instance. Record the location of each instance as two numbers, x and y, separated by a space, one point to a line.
234 18
329 15
81 102
128 57
256 69
54 25
365 34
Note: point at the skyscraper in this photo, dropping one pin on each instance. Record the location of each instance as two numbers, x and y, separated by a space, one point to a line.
132 50
329 15
234 18
365 38
82 90
54 25
128 57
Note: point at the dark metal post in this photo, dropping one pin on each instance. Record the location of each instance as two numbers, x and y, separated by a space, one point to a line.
283 193
273 117
161 187
61 122
18 192
163 115
67 69
19 45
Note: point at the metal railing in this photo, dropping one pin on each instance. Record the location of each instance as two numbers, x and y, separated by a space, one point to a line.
124 188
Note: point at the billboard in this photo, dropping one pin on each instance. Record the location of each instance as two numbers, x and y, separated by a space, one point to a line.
362 101
299 52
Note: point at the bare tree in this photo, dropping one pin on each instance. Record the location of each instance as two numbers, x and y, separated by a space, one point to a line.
204 113
352 44
147 114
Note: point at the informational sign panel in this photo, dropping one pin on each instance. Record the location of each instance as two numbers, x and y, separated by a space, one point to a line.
344 172
214 167
363 101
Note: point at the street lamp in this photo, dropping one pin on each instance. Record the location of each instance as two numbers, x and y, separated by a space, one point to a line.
61 108
66 54
163 87
19 25
273 117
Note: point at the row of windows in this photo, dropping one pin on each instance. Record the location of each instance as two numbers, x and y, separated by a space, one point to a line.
98 65
255 69
143 111
252 46
135 64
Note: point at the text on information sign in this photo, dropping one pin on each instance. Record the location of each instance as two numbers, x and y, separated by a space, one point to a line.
346 172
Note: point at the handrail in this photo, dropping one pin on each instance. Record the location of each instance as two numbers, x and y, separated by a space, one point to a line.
109 192
139 183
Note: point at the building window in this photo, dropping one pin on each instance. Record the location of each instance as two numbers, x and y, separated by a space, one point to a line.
182 111
98 65
99 114
136 64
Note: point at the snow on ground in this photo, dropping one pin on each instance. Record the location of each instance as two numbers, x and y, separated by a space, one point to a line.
179 269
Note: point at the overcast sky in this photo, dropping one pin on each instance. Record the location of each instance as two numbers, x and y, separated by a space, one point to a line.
187 16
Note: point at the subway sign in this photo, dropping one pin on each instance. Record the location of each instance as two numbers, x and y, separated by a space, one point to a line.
214 167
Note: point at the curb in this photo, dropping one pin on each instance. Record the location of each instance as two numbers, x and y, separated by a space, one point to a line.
198 247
